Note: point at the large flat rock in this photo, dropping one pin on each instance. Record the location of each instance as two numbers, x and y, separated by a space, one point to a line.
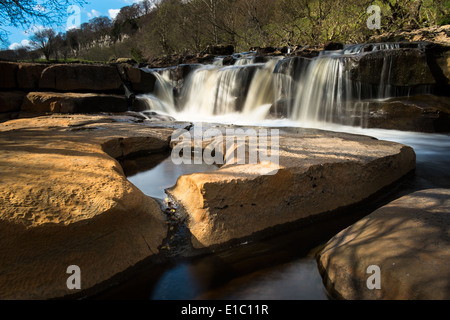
408 239
36 103
64 200
318 172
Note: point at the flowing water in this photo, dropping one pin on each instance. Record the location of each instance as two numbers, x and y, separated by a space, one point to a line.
313 93
282 267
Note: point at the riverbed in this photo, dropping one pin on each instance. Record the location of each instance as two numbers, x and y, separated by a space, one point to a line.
282 267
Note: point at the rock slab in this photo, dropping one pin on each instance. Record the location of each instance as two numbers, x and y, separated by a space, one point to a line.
64 200
318 172
408 239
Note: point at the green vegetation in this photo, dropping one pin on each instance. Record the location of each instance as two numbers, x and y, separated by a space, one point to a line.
149 29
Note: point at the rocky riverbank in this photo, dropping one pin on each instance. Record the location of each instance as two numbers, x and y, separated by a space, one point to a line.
66 201
408 242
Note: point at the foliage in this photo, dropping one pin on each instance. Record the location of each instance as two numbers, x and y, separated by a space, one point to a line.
151 28
26 13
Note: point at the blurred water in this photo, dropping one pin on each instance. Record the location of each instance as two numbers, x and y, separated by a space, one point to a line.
283 268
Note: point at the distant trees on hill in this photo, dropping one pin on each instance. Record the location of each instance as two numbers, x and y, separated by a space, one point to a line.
151 28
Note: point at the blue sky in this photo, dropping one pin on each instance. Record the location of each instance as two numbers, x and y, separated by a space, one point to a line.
94 8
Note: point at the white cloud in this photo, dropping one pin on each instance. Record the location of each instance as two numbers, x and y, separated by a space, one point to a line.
93 14
113 13
23 44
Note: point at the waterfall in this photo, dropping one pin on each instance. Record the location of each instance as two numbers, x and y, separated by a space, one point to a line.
308 90
262 91
321 91
215 90
162 98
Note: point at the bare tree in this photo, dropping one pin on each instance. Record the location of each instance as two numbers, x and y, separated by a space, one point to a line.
44 40
25 13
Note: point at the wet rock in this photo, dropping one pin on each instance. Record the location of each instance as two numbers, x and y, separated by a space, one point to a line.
407 239
138 80
401 67
333 46
220 50
64 200
318 172
422 113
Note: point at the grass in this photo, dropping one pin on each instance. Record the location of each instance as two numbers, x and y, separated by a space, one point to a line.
70 60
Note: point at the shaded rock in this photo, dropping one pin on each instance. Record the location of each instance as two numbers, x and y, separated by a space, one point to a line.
422 113
228 61
401 67
306 52
408 239
333 46
8 71
139 80
54 102
281 108
318 172
65 200
11 101
29 74
6 116
81 77
220 50
418 113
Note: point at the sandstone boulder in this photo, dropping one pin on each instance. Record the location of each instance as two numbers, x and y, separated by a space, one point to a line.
11 101
139 80
8 71
81 77
408 240
54 102
318 172
29 75
64 200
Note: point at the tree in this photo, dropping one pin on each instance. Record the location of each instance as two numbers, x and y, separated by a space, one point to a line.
44 40
25 13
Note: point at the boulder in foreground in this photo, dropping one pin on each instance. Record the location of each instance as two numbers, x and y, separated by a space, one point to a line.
64 200
318 172
408 239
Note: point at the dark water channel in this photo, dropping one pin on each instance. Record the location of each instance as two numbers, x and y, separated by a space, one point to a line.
282 267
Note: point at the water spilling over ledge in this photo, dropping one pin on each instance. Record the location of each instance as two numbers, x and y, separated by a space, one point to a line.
361 86
340 86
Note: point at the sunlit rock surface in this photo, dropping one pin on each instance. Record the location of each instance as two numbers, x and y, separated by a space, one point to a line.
64 200
318 172
408 240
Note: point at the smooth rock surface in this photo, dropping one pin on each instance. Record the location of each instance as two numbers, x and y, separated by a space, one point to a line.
64 200
408 239
318 172
57 102
80 77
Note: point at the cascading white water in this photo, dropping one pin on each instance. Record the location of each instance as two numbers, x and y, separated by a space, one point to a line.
320 90
162 97
313 90
262 91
